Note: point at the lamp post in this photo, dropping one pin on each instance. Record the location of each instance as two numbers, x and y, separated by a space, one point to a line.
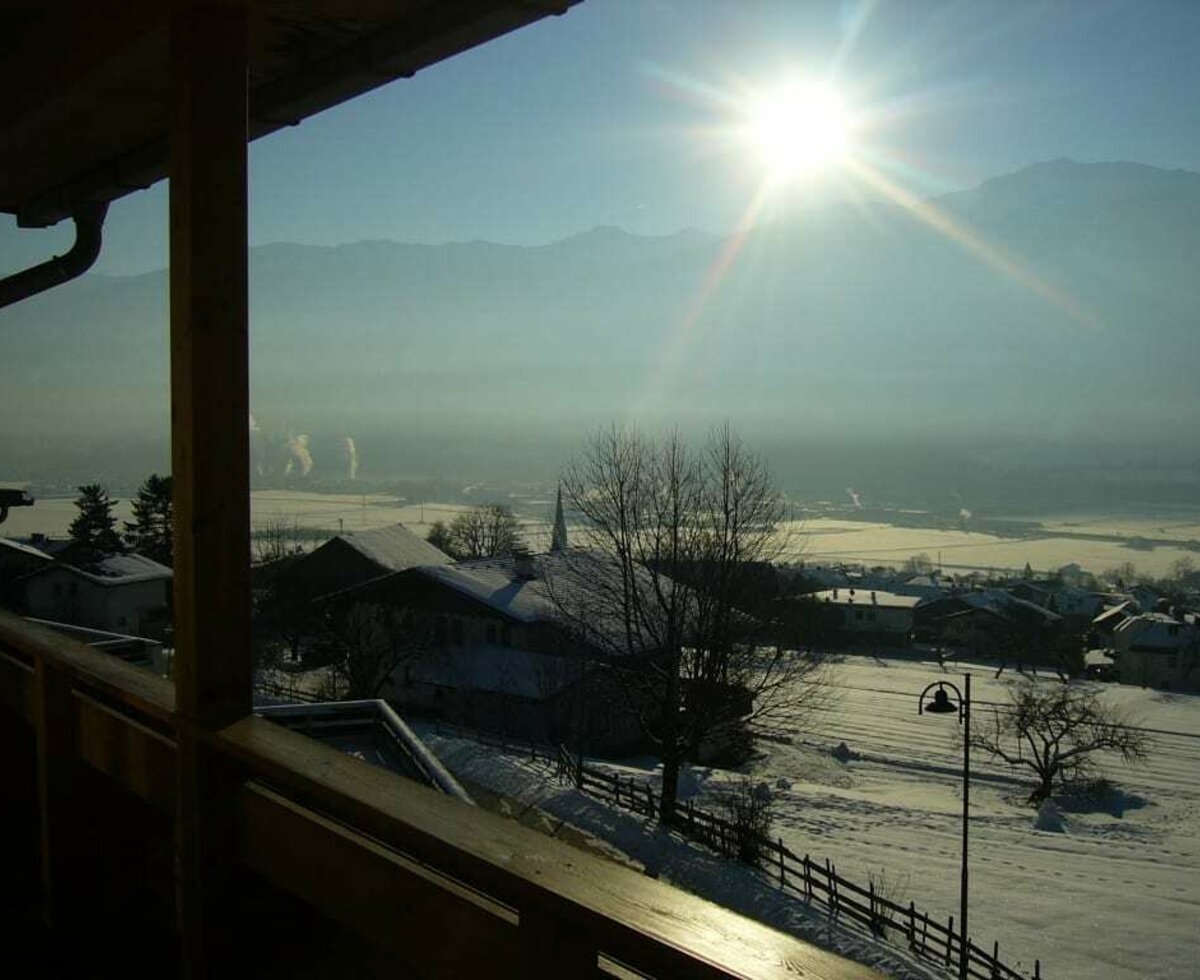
941 705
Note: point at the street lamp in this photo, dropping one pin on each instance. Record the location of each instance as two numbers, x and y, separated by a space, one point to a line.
942 705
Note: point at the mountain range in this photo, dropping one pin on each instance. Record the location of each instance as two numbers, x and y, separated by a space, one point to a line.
1039 329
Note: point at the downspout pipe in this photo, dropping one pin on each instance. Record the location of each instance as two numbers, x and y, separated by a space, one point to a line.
89 223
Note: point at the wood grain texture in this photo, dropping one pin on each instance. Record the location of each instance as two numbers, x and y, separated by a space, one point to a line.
629 917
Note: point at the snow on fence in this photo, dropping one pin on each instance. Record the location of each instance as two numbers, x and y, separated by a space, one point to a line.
808 879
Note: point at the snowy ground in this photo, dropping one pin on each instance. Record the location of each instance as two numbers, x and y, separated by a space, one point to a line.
529 792
1116 895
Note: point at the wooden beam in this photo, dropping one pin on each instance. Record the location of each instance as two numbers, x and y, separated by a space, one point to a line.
634 920
433 925
140 759
147 697
210 460
57 792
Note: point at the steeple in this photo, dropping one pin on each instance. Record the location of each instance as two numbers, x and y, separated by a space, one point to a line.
558 542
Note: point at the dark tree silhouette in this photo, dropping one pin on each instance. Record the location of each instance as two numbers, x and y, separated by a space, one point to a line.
439 536
95 528
1055 731
484 532
674 543
150 532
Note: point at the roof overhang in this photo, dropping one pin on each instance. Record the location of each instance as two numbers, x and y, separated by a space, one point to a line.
85 114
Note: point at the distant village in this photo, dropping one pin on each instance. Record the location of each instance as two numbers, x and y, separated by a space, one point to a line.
473 632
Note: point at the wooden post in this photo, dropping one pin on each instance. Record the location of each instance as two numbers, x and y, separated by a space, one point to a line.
60 833
995 958
209 454
949 940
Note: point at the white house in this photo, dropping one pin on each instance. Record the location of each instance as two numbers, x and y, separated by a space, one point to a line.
125 594
1159 650
870 611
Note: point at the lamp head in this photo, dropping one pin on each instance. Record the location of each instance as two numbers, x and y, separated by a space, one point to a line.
941 704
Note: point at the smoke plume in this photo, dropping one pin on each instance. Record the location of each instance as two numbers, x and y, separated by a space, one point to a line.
298 447
351 457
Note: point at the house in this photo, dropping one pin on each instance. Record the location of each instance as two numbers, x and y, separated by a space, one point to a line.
498 655
883 616
16 561
988 623
1159 650
354 557
126 594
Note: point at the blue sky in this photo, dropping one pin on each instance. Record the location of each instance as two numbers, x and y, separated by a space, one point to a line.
606 116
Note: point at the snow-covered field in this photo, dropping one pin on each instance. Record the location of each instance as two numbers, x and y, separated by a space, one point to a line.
1115 895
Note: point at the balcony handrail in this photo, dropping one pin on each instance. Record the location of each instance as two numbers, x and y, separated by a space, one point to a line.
150 698
520 889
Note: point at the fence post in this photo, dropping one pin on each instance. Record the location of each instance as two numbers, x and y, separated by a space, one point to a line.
949 939
1037 970
871 905
807 879
650 799
925 932
579 771
912 923
995 958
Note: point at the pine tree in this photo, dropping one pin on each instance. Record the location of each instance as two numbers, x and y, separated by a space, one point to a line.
95 528
150 531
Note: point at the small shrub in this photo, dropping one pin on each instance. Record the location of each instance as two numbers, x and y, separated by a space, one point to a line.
750 809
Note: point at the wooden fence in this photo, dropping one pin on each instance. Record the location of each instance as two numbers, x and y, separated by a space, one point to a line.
813 881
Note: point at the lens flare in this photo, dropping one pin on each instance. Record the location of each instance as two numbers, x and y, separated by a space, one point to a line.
798 129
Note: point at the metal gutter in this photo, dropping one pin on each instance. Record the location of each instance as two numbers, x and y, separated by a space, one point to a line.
89 225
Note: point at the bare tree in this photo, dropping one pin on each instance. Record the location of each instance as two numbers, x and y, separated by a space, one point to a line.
365 643
484 532
666 589
275 539
1056 732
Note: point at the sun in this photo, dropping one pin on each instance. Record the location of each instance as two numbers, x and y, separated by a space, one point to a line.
798 129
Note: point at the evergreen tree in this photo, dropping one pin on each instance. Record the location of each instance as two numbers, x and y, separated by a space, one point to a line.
150 531
95 528
439 537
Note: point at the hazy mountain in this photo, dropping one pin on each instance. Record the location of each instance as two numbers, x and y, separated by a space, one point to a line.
1041 323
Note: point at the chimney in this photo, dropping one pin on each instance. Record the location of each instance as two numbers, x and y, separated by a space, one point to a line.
524 569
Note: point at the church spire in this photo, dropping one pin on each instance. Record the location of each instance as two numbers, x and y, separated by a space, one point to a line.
558 542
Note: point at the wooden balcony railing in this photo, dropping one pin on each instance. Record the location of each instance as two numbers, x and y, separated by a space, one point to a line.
443 887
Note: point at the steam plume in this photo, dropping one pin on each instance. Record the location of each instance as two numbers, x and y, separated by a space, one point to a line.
298 447
352 457
854 497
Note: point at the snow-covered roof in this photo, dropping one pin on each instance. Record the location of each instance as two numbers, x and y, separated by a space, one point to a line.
1115 614
576 586
25 549
864 597
114 570
494 582
395 548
